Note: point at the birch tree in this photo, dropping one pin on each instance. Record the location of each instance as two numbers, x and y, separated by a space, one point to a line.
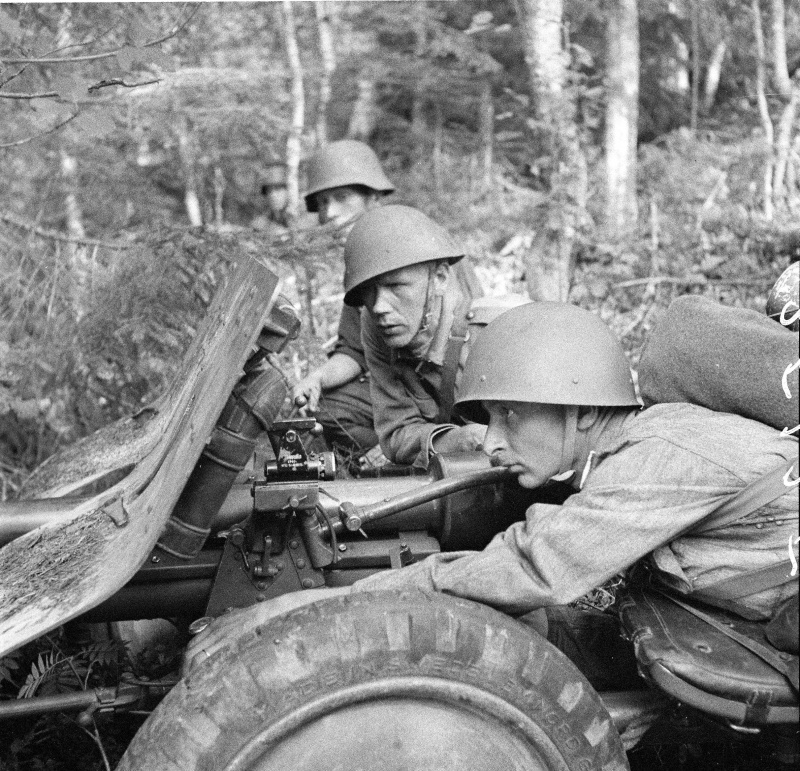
622 101
549 265
77 254
776 193
323 13
297 123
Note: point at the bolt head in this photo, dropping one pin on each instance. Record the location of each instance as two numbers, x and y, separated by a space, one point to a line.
307 583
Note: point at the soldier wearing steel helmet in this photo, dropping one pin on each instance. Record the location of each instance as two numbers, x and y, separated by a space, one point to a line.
344 179
421 311
553 388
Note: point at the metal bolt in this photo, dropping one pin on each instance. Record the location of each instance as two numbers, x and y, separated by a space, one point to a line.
293 544
291 436
294 502
280 565
307 583
261 584
342 547
301 563
155 559
261 597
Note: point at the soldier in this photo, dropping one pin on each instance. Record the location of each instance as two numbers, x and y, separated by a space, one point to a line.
649 487
422 307
274 190
345 179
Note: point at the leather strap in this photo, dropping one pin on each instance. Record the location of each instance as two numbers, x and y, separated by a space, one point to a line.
759 493
766 654
452 359
752 582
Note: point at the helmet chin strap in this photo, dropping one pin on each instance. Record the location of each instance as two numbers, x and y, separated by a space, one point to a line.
565 470
433 308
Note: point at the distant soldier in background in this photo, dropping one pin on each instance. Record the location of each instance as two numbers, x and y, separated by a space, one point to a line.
345 179
274 190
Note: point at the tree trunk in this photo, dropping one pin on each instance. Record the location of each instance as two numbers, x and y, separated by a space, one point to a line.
783 192
541 22
695 102
418 126
295 136
622 100
186 150
793 176
763 108
219 194
486 131
549 265
780 68
77 255
713 74
327 52
438 149
364 115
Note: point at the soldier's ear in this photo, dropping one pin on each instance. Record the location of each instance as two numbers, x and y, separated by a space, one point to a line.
587 417
441 275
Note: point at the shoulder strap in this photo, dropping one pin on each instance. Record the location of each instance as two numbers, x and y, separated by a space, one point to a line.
452 359
762 491
759 493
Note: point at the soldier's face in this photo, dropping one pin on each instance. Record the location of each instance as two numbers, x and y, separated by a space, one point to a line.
526 438
277 198
341 205
396 301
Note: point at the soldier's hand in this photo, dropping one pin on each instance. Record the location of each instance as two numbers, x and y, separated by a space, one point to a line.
231 626
460 439
307 392
373 458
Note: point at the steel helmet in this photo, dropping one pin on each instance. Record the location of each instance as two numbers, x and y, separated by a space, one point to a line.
387 238
346 162
785 294
545 353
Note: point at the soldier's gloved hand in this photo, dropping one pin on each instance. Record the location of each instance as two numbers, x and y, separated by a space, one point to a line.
231 626
459 438
310 390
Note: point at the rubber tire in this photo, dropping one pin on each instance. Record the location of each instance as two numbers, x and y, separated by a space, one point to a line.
382 642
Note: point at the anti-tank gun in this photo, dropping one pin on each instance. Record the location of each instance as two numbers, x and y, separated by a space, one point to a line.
195 527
